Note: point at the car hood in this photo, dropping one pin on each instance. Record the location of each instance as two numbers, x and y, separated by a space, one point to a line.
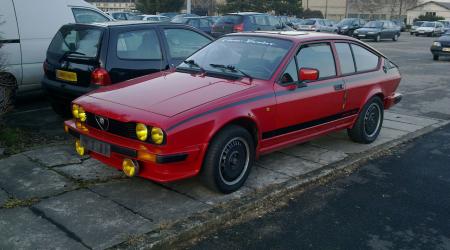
169 94
365 30
444 38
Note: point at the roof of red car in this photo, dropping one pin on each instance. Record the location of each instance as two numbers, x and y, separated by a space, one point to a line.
295 35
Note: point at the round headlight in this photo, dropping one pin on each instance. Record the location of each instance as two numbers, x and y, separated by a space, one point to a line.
437 44
75 111
141 131
81 114
157 135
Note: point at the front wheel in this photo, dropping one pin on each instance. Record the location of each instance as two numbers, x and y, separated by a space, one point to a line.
368 125
436 57
395 38
377 38
229 159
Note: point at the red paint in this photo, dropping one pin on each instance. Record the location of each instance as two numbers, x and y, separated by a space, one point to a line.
308 74
191 109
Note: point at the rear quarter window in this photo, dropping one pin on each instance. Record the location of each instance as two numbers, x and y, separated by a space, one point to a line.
138 45
365 60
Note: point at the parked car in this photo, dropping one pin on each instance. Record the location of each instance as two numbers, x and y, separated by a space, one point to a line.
348 25
401 24
170 15
26 31
181 18
441 47
377 30
202 23
316 24
154 18
414 27
446 24
240 97
123 15
430 29
246 21
297 23
82 58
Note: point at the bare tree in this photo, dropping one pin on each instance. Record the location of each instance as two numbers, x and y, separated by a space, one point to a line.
7 85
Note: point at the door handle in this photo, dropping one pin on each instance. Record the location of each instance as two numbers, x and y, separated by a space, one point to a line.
338 87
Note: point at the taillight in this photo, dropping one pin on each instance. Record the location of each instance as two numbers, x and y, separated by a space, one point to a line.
100 77
238 27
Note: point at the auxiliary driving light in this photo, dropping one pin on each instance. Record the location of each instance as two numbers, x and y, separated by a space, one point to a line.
141 131
130 167
79 148
75 111
78 112
157 135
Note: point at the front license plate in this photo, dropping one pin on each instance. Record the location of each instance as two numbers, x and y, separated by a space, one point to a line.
446 49
362 35
95 145
66 75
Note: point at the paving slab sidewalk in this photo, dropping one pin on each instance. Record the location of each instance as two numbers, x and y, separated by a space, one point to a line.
81 203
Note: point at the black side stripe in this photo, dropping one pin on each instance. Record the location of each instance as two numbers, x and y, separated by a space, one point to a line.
10 41
305 125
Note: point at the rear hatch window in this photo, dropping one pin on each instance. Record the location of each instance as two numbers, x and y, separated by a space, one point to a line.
74 51
76 41
226 23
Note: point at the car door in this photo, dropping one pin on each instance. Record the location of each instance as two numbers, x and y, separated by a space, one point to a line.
385 30
313 106
134 50
181 42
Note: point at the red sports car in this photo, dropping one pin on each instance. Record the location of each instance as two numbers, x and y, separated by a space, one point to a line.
242 96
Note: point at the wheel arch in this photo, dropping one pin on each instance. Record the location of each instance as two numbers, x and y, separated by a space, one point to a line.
246 122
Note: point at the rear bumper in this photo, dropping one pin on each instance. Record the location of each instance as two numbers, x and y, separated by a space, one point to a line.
169 164
64 92
392 100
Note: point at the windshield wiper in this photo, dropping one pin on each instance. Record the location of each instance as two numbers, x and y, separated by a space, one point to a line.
231 68
193 63
69 52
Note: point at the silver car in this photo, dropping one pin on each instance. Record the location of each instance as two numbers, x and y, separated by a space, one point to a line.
316 24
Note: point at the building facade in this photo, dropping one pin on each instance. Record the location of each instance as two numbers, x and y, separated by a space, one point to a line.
433 8
114 5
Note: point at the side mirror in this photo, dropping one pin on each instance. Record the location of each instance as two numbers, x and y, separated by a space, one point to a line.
306 74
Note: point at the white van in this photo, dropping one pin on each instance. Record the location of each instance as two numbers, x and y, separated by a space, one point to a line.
26 29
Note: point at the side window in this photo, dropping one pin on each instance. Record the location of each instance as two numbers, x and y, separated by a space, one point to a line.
261 20
204 23
88 16
345 58
290 75
138 45
183 43
364 59
274 21
317 56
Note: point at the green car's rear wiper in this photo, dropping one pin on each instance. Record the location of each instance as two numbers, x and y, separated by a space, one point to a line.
231 68
193 63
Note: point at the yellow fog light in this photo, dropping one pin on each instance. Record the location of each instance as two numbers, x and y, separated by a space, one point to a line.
66 128
130 168
141 131
75 108
157 135
79 148
81 114
146 156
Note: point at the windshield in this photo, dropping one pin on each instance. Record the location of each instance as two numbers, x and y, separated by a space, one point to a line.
77 41
373 24
418 23
258 57
428 24
346 22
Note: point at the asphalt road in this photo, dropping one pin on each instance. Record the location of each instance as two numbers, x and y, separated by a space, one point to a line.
400 201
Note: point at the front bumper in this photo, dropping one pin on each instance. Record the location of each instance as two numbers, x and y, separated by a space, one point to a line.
169 164
440 51
392 100
365 36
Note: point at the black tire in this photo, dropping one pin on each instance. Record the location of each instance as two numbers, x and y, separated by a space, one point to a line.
417 34
395 38
377 38
436 57
370 120
411 33
60 108
8 87
228 160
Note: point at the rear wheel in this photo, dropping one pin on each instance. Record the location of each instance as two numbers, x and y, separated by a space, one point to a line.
229 159
395 38
8 88
368 125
